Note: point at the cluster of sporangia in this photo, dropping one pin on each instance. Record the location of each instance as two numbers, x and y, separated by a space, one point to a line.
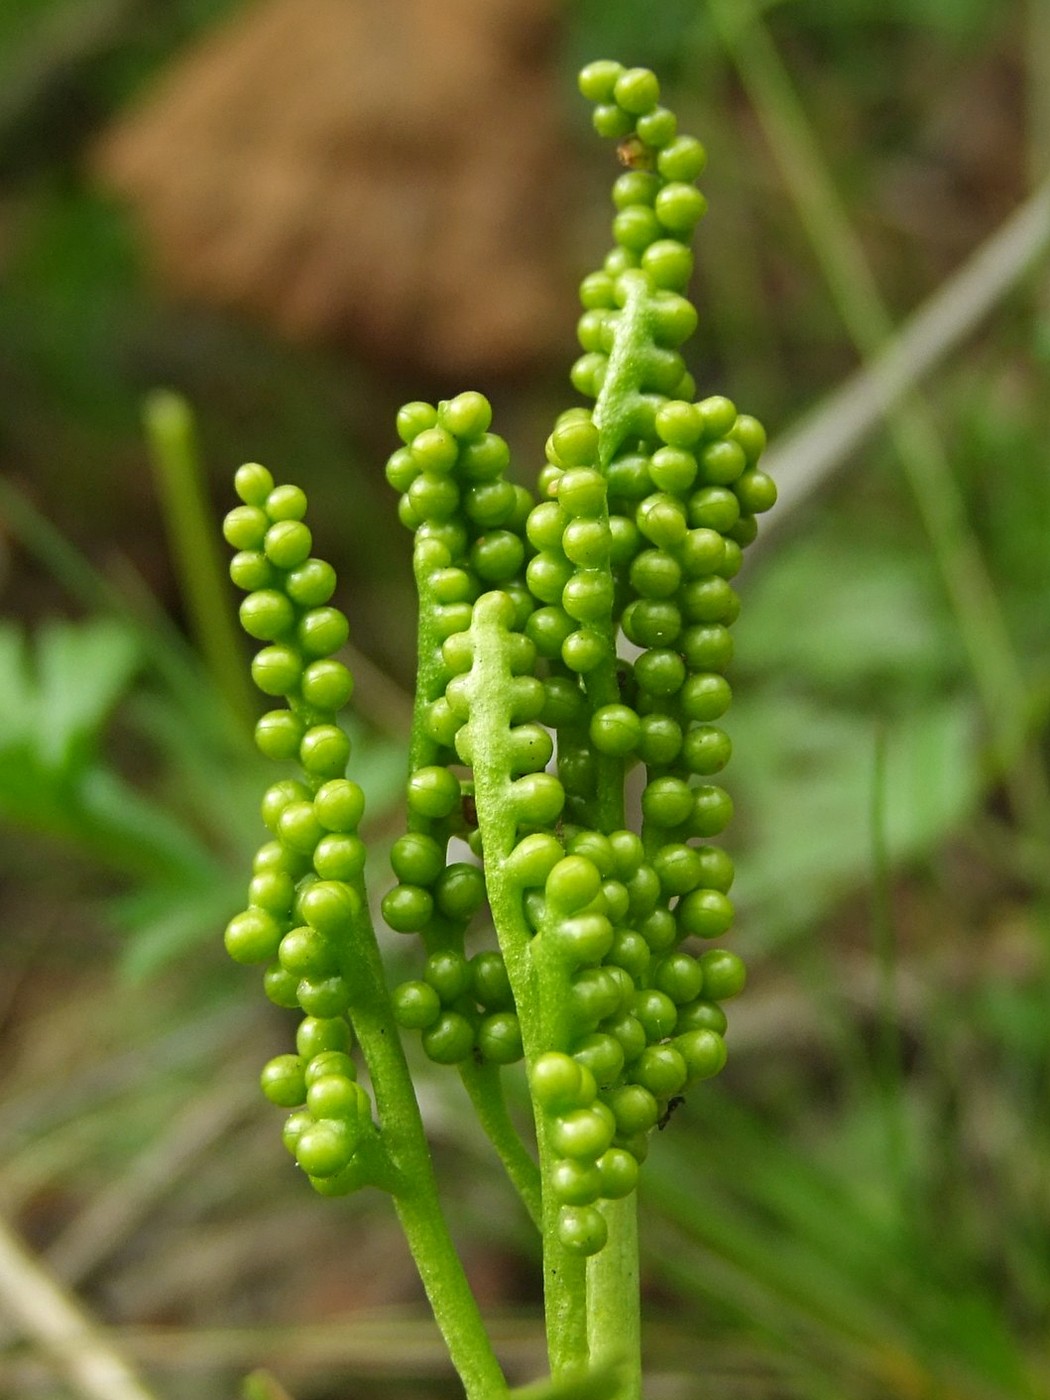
645 505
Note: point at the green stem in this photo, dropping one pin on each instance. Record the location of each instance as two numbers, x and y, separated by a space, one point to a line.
176 466
616 410
416 1197
613 1300
613 1303
564 1280
564 1273
483 1084
430 670
602 688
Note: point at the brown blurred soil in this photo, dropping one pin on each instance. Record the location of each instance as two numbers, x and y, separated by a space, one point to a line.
336 170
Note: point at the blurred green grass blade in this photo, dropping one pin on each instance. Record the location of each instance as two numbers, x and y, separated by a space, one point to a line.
797 1234
814 1200
165 922
786 1246
142 829
837 427
889 1065
875 637
109 821
193 540
261 1385
785 1268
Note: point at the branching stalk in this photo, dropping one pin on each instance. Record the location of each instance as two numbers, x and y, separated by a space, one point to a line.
525 722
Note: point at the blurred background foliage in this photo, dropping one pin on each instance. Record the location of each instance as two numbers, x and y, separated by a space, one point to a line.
862 1209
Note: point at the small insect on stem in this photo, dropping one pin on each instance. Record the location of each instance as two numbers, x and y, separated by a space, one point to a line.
672 1105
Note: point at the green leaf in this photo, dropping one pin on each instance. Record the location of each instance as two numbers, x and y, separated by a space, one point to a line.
56 695
151 839
847 624
83 670
164 922
803 777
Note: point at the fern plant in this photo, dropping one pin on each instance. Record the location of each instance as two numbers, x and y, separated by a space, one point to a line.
567 638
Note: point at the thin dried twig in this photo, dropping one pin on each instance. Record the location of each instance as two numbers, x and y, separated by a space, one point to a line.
379 1344
377 696
98 1231
805 456
51 1318
996 671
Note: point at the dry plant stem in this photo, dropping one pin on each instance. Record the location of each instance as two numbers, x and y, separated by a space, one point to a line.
101 1228
997 675
806 455
369 1347
52 1319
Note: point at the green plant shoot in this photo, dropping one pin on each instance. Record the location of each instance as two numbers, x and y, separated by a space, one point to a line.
567 639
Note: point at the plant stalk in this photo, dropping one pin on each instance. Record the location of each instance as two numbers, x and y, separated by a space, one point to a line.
613 1300
564 1273
416 1198
485 1088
